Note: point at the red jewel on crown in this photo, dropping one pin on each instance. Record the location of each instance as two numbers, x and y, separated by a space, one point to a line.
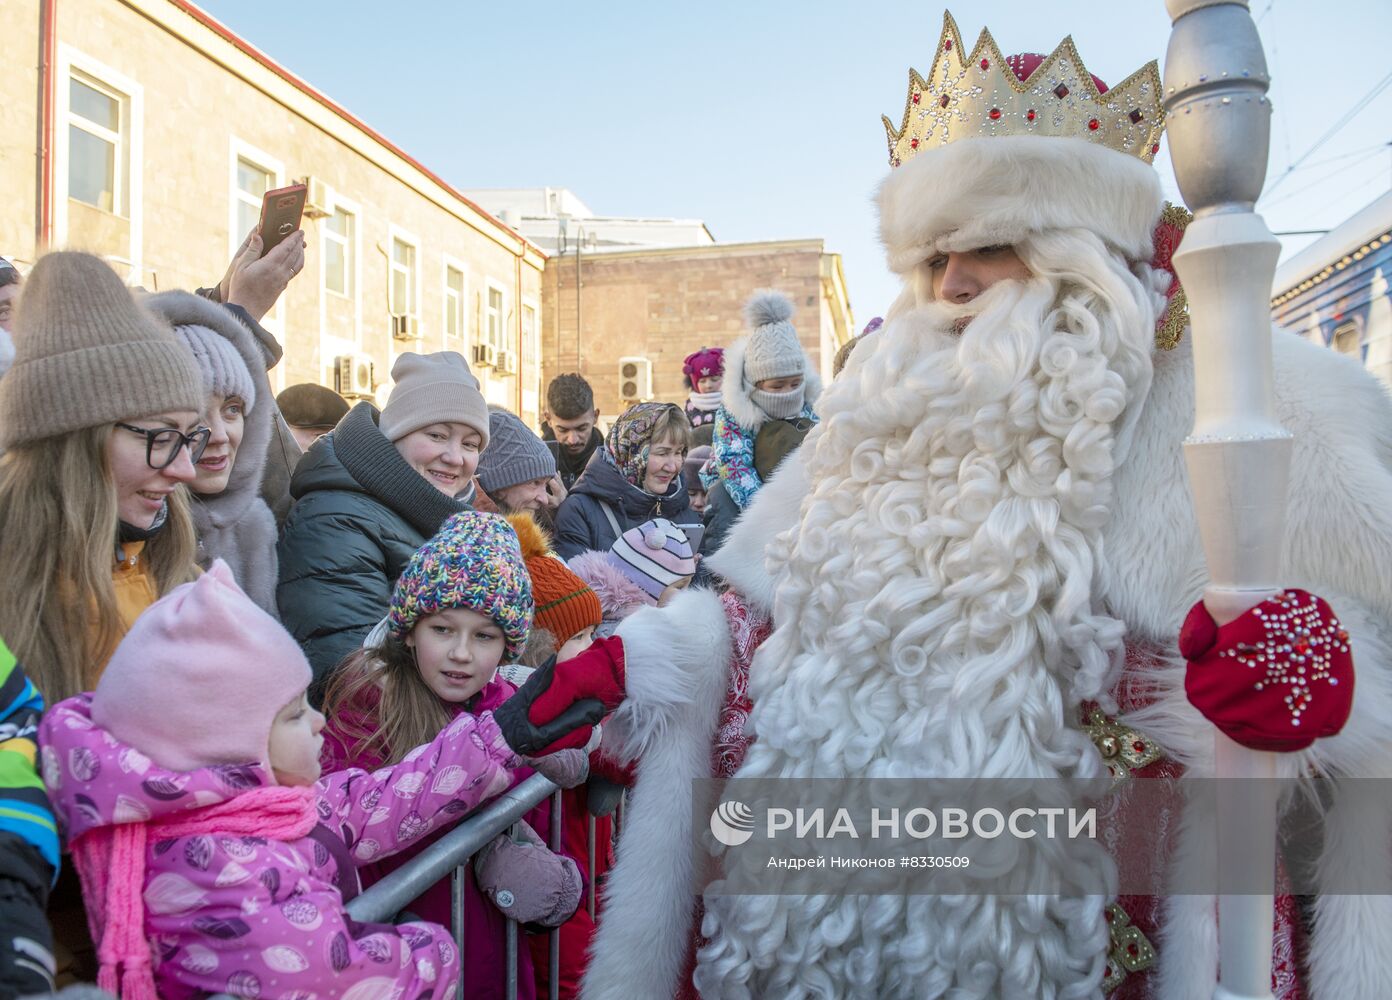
915 97
943 101
1029 115
1061 91
995 114
913 143
947 45
1094 124
985 64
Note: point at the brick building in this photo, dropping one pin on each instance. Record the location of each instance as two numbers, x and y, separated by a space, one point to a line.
648 309
148 132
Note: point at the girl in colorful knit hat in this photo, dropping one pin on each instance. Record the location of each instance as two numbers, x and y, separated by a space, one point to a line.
462 607
213 855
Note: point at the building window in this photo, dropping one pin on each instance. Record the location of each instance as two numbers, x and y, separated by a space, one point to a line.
527 349
338 251
402 291
96 153
253 181
454 302
493 317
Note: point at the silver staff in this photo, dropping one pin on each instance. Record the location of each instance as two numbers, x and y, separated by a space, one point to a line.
1219 123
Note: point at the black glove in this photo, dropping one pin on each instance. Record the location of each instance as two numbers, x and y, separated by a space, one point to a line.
602 795
568 730
26 941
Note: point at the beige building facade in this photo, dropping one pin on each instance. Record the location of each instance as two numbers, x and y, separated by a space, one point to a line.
146 131
626 320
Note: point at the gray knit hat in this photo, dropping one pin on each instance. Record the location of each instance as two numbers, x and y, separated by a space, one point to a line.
87 354
224 371
774 350
514 454
431 389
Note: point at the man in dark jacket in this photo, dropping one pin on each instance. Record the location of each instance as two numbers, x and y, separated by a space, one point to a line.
570 429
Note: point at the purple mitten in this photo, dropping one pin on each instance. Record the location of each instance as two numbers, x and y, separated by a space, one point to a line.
527 881
564 768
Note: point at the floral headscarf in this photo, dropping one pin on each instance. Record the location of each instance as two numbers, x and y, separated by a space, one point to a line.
631 438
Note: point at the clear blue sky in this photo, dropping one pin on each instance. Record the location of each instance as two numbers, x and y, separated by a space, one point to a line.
763 118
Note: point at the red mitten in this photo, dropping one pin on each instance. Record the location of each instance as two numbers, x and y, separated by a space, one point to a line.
1278 677
596 673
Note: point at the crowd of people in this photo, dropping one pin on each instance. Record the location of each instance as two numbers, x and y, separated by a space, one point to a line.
274 633
257 653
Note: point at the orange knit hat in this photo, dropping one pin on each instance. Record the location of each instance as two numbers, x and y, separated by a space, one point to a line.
565 604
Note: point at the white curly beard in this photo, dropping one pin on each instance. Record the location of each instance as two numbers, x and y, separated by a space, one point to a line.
938 618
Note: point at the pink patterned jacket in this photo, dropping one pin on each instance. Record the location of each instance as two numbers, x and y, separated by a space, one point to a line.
255 917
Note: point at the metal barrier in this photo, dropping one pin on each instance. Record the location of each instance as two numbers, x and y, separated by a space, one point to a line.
449 856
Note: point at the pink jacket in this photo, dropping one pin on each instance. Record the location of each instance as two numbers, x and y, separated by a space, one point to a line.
256 917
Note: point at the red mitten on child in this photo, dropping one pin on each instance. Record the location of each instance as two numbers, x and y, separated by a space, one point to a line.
527 881
1278 677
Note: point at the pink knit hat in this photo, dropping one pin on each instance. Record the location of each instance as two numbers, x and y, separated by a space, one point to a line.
199 678
654 555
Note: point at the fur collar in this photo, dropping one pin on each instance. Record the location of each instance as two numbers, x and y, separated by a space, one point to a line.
735 391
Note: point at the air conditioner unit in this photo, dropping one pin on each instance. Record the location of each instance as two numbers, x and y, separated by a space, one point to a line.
635 379
405 327
316 197
353 376
485 355
507 362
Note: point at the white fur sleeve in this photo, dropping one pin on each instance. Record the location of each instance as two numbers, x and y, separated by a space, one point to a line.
667 654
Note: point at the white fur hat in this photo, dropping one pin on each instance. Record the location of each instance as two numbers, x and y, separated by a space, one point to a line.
992 191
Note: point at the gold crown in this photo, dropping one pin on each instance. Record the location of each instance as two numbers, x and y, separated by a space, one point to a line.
977 95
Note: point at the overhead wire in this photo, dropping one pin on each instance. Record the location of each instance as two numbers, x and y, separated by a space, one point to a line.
1347 117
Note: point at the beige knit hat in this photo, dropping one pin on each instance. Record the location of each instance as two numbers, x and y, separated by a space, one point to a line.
430 389
87 354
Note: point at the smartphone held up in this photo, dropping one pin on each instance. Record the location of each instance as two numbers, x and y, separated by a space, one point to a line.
281 210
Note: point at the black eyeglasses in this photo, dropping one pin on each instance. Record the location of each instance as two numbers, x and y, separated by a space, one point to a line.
162 445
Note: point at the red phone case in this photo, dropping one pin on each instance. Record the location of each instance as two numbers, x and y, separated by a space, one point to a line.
281 211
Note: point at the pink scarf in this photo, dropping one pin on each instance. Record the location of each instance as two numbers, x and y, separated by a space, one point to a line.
110 862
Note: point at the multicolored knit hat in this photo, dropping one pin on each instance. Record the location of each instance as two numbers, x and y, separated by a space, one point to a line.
631 438
474 562
565 604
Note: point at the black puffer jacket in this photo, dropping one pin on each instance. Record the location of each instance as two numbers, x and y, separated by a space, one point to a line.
581 525
360 514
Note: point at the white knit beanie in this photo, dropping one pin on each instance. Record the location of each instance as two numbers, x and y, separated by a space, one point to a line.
774 350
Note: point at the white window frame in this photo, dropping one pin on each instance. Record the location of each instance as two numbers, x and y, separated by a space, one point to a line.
330 345
462 307
396 234
351 246
240 150
486 335
72 60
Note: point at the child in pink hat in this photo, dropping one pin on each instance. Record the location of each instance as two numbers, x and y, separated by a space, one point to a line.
213 856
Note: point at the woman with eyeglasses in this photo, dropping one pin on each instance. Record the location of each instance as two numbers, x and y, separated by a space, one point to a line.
100 425
231 519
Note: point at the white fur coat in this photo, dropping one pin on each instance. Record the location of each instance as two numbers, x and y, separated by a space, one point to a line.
1339 545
